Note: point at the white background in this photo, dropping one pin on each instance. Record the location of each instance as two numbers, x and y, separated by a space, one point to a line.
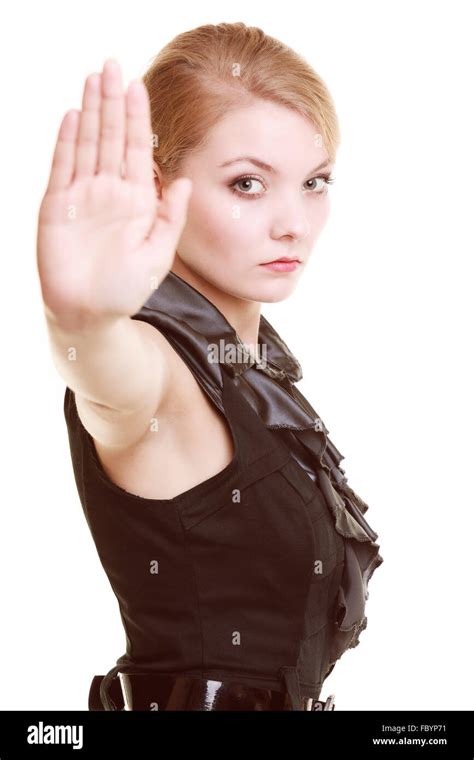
381 322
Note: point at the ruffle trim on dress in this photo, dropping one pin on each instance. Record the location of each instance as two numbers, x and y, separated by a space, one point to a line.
362 555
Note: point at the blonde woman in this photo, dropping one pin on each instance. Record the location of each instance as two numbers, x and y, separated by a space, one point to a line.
238 553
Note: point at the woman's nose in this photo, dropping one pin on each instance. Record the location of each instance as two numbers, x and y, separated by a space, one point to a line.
291 224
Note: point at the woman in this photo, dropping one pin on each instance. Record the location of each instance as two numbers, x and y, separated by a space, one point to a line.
238 553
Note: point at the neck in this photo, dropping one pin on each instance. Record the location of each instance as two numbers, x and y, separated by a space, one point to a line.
242 315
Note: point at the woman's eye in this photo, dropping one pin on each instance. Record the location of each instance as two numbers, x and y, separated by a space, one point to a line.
245 184
318 188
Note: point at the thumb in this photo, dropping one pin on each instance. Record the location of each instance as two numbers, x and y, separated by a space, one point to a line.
171 215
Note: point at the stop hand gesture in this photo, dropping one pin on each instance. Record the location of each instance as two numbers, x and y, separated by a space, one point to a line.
104 238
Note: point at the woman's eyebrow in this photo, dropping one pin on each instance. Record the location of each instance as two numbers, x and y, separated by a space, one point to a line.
265 166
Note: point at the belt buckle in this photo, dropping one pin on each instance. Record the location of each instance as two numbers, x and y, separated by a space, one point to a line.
319 704
127 691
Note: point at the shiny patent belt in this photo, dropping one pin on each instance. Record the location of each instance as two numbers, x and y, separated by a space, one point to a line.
160 691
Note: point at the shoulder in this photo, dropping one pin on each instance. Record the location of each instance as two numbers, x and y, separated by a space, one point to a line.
182 389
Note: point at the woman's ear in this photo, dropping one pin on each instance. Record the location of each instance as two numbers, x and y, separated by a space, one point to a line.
158 178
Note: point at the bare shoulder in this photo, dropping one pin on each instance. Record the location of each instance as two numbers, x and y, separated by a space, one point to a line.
118 430
181 386
162 466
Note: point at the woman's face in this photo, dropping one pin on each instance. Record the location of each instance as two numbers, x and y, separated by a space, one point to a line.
242 214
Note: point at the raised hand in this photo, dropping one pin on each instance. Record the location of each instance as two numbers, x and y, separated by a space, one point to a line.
105 239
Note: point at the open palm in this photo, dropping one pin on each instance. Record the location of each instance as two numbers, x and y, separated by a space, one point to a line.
104 238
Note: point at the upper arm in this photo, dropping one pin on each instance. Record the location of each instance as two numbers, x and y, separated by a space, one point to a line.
116 428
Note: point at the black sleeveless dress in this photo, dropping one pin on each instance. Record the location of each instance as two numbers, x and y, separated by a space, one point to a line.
258 574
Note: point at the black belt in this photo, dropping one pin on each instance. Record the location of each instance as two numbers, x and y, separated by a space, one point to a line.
160 691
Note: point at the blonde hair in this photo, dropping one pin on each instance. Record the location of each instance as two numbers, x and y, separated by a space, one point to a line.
202 74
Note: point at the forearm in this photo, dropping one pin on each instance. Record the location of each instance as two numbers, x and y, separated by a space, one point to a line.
108 361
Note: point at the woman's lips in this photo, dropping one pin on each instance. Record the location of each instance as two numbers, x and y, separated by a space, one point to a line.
282 266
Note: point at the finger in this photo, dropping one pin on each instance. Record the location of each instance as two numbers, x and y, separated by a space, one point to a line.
171 217
64 157
112 120
138 149
87 150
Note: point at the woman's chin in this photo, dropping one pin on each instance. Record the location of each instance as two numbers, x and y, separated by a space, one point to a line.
278 289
